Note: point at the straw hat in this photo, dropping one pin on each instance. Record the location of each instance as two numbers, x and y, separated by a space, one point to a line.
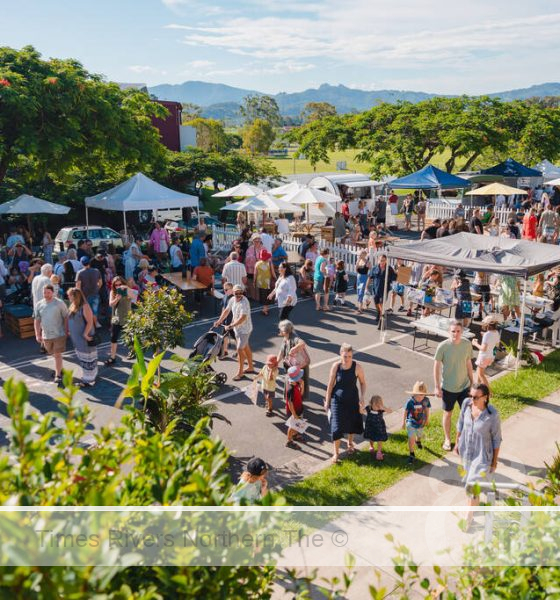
419 388
489 319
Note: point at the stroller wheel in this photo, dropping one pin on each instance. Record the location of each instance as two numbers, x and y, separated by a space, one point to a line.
221 378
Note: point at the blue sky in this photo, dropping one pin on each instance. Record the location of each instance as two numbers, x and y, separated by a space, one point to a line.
446 46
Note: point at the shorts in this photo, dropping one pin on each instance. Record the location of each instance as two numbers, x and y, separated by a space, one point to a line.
450 398
115 333
318 286
484 291
93 301
416 432
56 345
242 340
483 361
378 299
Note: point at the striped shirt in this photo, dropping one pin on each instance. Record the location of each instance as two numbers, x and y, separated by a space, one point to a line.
234 272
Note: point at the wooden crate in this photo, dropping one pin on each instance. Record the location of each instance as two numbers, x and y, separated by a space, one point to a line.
22 326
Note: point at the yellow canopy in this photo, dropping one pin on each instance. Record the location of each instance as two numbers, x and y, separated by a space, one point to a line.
494 189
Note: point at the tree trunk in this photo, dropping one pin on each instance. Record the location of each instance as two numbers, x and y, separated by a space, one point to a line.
469 162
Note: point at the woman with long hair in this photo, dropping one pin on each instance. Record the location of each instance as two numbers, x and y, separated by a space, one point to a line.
81 328
120 304
285 291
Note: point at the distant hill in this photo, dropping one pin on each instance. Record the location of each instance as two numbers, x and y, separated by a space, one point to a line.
221 101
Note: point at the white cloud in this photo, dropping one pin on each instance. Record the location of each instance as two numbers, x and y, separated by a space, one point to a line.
200 64
146 69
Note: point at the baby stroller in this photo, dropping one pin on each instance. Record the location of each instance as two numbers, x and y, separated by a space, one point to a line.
208 347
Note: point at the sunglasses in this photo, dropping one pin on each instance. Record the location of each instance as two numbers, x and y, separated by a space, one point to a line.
238 293
474 397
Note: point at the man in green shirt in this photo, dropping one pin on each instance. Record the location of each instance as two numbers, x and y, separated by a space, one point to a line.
453 374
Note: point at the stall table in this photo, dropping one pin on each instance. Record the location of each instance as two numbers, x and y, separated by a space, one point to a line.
437 326
187 286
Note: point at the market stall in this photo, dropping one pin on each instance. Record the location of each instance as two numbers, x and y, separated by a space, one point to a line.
470 252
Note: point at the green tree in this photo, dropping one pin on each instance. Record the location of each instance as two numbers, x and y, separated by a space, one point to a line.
190 111
210 135
260 107
158 321
258 136
314 111
58 116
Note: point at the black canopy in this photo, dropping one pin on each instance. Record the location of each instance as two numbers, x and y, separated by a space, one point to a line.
469 251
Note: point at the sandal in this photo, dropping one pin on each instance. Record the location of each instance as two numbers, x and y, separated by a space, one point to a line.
293 445
351 449
83 384
269 413
335 460
238 377
111 361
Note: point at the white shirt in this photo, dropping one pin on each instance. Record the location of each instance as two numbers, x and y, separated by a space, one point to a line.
491 339
267 241
285 287
239 308
283 225
37 286
234 272
3 272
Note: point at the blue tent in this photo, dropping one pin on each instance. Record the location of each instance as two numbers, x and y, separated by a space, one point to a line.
511 168
429 178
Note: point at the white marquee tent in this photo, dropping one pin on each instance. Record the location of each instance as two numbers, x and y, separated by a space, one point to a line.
139 193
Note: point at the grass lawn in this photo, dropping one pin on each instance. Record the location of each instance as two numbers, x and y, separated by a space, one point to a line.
359 477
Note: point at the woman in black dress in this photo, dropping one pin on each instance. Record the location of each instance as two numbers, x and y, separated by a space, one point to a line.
344 403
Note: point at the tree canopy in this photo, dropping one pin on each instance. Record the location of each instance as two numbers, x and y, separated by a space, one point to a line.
313 111
461 132
260 107
56 115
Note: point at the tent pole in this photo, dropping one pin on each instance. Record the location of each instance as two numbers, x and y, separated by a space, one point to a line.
521 327
87 220
125 231
383 316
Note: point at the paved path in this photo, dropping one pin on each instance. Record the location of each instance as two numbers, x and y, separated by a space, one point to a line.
529 440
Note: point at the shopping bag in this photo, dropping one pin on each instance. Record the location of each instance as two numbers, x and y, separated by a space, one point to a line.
252 391
299 425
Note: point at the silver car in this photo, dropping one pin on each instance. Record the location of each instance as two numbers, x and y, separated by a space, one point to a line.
98 236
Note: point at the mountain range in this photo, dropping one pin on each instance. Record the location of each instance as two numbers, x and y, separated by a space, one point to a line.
221 101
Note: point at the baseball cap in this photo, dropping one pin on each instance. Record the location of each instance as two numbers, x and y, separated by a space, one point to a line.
256 467
85 260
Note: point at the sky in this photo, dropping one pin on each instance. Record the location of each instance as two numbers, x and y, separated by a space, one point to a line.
438 46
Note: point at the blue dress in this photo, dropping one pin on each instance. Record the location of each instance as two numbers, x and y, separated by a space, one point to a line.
345 404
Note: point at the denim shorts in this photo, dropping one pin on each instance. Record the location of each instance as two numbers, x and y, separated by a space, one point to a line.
93 301
414 431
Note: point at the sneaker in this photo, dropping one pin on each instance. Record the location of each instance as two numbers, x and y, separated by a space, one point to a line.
410 460
419 444
389 310
446 446
58 381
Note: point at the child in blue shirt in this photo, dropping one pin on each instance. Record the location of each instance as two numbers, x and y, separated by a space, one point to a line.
416 417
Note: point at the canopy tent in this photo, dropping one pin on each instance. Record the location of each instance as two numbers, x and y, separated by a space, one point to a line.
511 168
495 189
487 254
243 190
554 182
548 170
429 178
29 205
139 193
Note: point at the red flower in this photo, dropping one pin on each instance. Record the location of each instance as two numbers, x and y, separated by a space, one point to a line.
52 80
5 83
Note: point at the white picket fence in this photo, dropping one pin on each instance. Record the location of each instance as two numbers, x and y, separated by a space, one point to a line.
223 238
443 210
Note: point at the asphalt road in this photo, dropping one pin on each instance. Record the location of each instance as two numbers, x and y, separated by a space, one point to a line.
390 370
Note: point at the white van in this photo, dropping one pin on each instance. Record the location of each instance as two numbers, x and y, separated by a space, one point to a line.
356 185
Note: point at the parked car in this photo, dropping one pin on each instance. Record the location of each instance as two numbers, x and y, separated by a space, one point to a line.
95 233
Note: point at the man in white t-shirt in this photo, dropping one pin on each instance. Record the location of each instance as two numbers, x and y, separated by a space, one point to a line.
176 256
39 282
242 325
267 240
282 224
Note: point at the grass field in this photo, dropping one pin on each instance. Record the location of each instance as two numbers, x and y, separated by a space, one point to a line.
358 478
